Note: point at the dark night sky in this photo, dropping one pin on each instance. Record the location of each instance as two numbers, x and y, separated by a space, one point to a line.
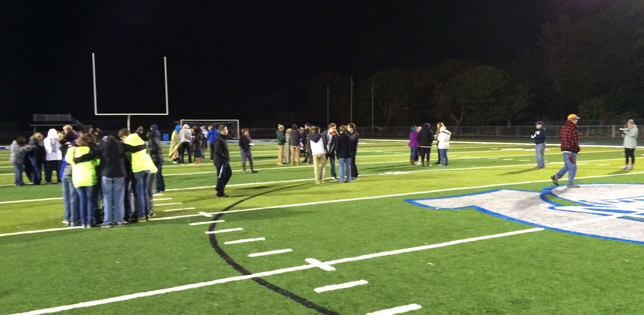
220 54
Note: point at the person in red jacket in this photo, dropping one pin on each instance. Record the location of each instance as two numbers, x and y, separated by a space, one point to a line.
569 149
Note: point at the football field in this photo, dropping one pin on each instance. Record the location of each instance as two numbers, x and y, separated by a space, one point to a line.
488 234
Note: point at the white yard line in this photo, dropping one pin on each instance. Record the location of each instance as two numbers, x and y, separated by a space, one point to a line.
179 209
168 204
41 231
272 252
340 286
205 214
224 231
383 196
312 264
161 199
207 222
157 195
246 240
397 310
31 200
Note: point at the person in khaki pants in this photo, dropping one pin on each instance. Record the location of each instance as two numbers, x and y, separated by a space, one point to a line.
294 142
318 151
281 140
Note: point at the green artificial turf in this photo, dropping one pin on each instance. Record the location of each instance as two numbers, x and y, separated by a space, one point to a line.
535 273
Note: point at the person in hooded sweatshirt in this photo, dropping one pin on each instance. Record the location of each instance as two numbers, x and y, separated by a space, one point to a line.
425 139
173 153
185 139
84 177
142 167
317 144
222 162
213 133
53 155
19 150
413 145
294 143
443 138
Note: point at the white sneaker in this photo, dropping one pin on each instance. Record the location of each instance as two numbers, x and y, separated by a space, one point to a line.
631 167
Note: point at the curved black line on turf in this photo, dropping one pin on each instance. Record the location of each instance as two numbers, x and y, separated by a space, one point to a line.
244 271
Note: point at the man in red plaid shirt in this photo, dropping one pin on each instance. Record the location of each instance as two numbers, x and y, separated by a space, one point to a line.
569 149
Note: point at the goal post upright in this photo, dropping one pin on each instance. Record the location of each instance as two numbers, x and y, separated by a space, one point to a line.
129 115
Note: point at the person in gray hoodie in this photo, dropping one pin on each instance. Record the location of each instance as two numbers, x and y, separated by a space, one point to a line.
185 140
630 134
18 152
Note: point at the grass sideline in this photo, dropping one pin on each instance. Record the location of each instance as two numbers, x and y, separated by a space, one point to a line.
533 273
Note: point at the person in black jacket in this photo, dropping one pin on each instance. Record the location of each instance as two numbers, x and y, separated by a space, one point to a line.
331 136
245 143
539 137
425 139
355 136
156 153
294 143
222 161
344 150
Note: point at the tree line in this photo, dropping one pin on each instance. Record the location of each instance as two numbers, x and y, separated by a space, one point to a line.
591 64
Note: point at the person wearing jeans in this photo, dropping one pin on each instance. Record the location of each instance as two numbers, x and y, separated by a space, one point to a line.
344 151
84 177
330 137
70 199
569 149
539 137
142 167
443 138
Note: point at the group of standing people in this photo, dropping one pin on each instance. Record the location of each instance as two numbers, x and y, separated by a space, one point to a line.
192 141
95 168
318 147
421 139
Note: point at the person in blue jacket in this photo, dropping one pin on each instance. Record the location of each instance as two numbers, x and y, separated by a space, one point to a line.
539 137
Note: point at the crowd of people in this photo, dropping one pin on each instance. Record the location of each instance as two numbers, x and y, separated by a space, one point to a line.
421 139
105 181
318 147
109 180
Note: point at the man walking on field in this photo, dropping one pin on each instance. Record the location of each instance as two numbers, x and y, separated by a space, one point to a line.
222 161
569 149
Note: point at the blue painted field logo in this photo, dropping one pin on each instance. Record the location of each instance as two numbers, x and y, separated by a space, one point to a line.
608 211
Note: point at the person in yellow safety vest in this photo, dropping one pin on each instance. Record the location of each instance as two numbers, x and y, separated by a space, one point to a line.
142 167
84 177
